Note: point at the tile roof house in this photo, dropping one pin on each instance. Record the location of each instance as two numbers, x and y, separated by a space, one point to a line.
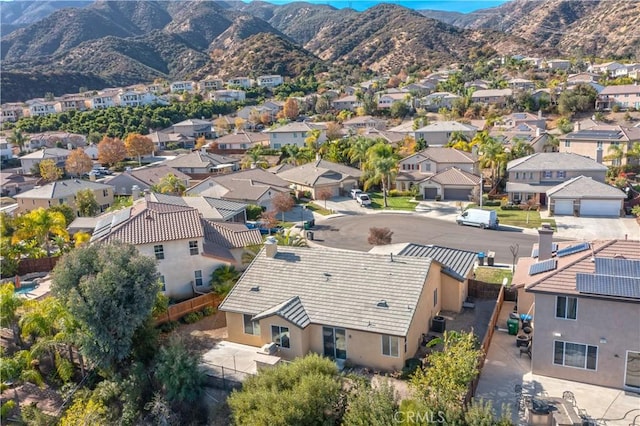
596 142
28 161
428 162
585 301
457 269
294 134
492 96
321 174
240 141
583 196
435 101
349 102
203 164
252 186
449 185
144 178
625 96
364 122
193 128
438 133
187 247
213 209
162 139
63 192
336 303
532 176
14 183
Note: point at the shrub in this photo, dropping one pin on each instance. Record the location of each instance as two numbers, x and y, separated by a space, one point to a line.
169 326
410 366
514 207
493 203
615 108
379 236
7 407
208 311
191 317
398 193
253 212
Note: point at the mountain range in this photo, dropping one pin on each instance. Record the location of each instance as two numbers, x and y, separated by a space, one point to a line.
59 46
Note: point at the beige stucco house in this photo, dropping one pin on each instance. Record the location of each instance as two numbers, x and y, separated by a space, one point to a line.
439 133
597 141
625 96
583 196
369 309
585 303
29 161
295 133
320 175
63 192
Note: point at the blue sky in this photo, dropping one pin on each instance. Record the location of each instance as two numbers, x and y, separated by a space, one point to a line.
453 6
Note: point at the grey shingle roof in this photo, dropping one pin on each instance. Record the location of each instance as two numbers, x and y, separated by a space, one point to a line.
335 287
582 186
457 263
447 126
454 176
291 310
319 172
444 155
248 184
61 189
555 161
198 159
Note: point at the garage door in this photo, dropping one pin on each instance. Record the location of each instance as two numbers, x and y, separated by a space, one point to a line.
430 193
563 207
600 208
457 194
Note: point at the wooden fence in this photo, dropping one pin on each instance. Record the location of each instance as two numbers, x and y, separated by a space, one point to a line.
484 290
486 342
177 311
44 264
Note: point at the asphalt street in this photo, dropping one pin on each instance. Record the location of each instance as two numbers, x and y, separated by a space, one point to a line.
351 232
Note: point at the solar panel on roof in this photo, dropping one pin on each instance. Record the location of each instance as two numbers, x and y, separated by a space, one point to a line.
618 266
598 134
544 266
576 248
608 285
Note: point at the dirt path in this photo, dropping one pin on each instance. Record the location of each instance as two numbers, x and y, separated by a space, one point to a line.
202 335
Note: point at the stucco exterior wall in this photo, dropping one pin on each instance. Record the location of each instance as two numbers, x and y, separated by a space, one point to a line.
525 301
425 310
610 325
27 204
453 293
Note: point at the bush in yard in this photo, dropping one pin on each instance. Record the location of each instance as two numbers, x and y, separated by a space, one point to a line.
253 212
379 236
208 311
169 326
191 317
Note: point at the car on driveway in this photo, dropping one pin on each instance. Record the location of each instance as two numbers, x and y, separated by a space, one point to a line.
355 192
363 199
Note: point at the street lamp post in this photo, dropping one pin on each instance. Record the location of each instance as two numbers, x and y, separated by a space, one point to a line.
481 191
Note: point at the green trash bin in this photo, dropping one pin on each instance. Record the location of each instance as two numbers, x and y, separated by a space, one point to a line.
513 325
307 225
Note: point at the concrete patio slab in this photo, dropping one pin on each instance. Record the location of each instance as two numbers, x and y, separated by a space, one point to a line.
235 361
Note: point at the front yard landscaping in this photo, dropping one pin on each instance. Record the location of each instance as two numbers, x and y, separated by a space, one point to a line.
493 275
313 207
520 218
395 203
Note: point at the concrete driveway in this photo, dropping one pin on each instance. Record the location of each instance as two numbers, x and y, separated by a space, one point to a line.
597 228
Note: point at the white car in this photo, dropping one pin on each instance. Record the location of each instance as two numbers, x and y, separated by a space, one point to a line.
355 192
363 199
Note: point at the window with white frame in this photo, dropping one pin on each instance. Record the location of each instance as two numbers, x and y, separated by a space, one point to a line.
198 278
193 248
566 307
251 327
158 251
280 336
575 355
390 346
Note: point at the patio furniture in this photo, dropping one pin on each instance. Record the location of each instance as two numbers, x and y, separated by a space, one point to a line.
526 350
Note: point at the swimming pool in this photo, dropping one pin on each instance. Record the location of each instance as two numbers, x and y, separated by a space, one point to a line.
26 288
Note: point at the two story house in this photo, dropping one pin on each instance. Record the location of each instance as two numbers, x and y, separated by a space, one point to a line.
295 133
335 303
29 161
227 95
244 82
269 80
439 133
102 100
532 176
598 141
40 108
70 103
584 298
63 192
364 122
496 97
182 86
437 100
11 112
349 102
625 96
211 83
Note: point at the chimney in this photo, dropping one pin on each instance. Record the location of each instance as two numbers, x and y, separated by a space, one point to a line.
271 247
545 242
599 155
135 192
537 131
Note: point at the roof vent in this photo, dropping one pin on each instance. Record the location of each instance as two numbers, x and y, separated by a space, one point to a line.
618 256
256 288
327 275
382 304
149 217
391 255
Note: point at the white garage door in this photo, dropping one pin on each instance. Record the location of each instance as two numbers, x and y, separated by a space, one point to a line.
563 207
600 208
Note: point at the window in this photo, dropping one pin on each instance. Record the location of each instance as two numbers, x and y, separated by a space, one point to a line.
427 167
105 192
567 144
193 248
61 201
517 175
530 175
163 283
276 146
575 355
159 251
251 327
280 336
198 277
435 297
599 144
566 307
390 346
295 135
561 174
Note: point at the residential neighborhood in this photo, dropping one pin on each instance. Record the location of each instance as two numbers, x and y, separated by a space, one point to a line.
202 234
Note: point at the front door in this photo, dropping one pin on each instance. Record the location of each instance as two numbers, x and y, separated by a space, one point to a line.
335 342
632 371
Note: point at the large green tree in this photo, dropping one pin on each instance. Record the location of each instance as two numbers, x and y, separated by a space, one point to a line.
177 370
305 392
42 226
110 289
86 202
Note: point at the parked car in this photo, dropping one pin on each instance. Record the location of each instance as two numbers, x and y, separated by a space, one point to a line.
363 199
481 218
355 192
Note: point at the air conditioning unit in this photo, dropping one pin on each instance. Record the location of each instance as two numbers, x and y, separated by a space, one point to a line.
269 348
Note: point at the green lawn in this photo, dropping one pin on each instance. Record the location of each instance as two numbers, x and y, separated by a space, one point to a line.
395 203
520 218
493 275
318 209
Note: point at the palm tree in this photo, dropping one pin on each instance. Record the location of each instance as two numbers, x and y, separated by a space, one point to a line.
456 137
41 225
18 139
254 156
520 149
223 278
9 304
170 184
312 138
357 152
290 239
551 143
492 155
296 155
616 154
634 152
381 166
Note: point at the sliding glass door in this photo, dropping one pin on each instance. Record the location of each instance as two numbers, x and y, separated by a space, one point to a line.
335 342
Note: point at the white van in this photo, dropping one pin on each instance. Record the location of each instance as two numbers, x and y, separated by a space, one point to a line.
481 218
